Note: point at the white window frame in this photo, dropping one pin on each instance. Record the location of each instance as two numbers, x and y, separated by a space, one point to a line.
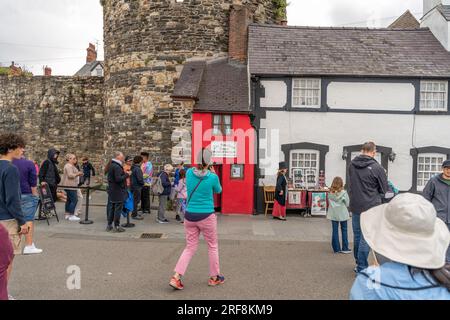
428 93
305 170
307 89
430 172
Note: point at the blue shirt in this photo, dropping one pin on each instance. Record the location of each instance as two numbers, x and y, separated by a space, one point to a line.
202 200
10 206
397 275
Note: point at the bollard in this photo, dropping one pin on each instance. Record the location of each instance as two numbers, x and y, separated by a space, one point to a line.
86 218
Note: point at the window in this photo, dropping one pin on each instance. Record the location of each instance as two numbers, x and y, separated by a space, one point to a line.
433 95
428 165
99 71
306 93
304 167
221 125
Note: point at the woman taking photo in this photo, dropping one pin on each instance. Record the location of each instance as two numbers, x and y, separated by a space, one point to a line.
71 179
202 182
279 205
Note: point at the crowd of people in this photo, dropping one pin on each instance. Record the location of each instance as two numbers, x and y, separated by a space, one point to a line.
408 234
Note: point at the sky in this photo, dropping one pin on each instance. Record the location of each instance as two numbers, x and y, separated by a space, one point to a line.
35 33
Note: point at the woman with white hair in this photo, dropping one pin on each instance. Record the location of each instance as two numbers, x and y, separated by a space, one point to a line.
409 244
163 197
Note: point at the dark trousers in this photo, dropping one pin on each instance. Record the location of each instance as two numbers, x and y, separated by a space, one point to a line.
360 247
136 199
145 199
53 192
71 202
114 211
335 243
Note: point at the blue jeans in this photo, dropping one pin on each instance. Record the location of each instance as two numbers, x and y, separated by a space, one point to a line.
72 199
360 247
335 237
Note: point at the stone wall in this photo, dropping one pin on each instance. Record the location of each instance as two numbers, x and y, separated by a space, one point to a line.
146 45
62 112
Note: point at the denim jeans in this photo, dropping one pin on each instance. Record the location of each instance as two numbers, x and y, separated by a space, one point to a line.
72 199
360 247
335 243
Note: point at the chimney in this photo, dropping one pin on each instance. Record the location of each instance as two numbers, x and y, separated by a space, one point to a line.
91 53
283 22
47 71
240 18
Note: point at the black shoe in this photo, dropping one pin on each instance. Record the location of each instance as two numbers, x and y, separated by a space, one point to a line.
177 218
128 225
117 229
138 217
109 228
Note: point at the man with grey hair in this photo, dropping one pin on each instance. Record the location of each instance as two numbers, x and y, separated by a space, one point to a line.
117 191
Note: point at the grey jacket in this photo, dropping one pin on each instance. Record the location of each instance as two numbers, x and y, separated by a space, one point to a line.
438 193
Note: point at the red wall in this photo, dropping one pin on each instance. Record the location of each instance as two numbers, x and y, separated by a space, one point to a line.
237 195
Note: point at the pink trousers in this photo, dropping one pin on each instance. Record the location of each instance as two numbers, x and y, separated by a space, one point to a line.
208 227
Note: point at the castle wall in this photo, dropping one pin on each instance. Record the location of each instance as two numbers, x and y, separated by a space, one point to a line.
62 112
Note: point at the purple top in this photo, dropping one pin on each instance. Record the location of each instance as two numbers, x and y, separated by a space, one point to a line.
28 176
6 256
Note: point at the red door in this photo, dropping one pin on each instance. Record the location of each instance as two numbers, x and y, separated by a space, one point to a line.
218 197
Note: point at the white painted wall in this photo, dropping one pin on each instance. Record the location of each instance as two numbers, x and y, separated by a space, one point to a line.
276 94
438 26
430 4
341 129
371 96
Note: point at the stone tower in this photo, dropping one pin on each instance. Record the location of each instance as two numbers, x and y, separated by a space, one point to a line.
146 44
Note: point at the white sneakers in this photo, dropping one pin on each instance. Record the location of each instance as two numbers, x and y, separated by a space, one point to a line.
31 250
72 218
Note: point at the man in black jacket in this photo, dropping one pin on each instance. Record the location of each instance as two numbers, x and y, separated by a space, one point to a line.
48 173
117 191
367 186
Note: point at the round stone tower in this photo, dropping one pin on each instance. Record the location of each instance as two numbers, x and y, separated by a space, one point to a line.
146 44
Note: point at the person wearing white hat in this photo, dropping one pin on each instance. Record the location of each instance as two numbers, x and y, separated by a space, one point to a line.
409 244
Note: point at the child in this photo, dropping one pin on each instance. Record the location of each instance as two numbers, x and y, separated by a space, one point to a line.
181 191
338 214
87 170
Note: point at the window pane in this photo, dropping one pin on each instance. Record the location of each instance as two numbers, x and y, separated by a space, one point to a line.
227 119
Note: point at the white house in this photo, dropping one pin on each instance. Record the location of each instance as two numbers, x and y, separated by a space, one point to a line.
319 93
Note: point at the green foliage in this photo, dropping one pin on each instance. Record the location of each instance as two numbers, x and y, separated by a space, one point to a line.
4 71
280 9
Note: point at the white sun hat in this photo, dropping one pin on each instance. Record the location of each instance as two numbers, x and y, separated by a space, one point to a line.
407 231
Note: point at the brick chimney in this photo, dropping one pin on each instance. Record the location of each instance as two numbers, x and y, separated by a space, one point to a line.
240 18
91 53
47 71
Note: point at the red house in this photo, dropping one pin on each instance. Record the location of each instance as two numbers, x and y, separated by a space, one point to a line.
218 90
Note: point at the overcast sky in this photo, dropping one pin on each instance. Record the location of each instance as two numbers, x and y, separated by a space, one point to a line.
56 33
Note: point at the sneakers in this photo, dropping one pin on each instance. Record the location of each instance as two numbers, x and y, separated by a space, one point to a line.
118 229
31 250
74 218
162 221
212 282
138 217
10 297
176 283
109 228
346 251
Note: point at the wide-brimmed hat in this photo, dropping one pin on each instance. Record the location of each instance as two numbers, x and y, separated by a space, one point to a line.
282 165
407 230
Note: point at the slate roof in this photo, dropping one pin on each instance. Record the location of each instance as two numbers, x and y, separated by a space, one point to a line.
86 70
445 11
405 21
218 85
285 50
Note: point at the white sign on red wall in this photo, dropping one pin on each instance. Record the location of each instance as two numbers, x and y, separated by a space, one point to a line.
224 149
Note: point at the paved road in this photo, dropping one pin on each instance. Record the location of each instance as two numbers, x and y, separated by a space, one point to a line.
260 257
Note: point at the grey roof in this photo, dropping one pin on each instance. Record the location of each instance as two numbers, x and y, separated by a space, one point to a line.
86 70
445 11
405 21
218 85
284 50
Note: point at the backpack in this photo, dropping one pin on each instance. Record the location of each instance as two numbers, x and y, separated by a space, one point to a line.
157 187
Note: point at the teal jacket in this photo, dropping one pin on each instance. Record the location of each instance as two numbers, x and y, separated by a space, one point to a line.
338 203
202 200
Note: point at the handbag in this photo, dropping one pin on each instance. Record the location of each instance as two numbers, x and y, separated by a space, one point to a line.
157 187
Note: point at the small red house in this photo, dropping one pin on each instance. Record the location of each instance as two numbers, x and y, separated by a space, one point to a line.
221 125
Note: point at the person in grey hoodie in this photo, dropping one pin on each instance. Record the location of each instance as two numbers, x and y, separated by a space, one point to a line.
367 187
437 191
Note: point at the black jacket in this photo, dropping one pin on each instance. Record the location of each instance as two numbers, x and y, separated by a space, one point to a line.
367 184
117 185
137 177
49 170
438 193
167 185
281 186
